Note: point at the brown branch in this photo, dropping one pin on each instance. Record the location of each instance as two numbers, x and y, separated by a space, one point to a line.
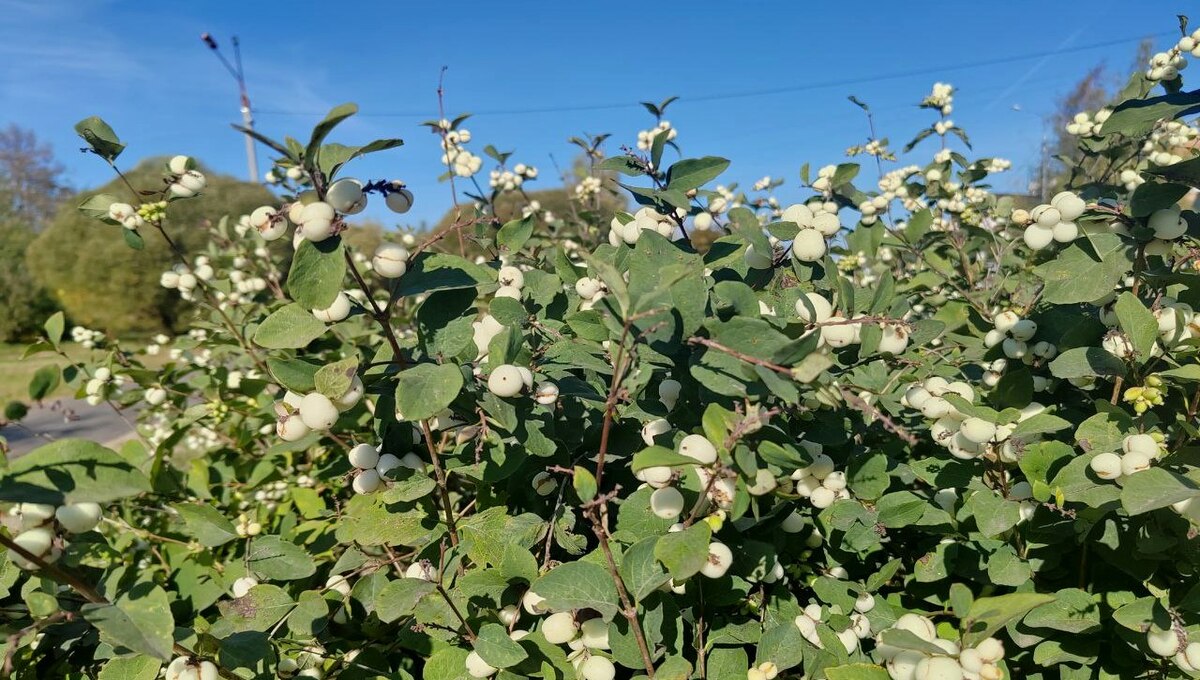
87 591
628 607
441 588
443 486
379 314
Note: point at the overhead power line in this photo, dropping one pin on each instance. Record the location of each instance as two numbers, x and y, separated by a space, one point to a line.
744 94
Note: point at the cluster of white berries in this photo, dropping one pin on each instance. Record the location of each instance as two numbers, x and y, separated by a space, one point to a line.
185 279
723 199
859 629
893 184
587 188
980 662
995 165
37 522
820 483
1168 137
1167 65
247 526
625 228
1168 642
270 495
1138 452
186 182
372 467
86 337
1084 124
454 155
587 639
763 184
838 331
590 290
126 214
951 428
941 127
313 412
940 98
1015 336
645 138
189 668
1131 179
103 384
390 260
816 225
510 180
766 670
507 380
824 180
1177 321
1050 222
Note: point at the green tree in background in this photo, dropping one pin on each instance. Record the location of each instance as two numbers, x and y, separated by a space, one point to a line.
75 257
31 189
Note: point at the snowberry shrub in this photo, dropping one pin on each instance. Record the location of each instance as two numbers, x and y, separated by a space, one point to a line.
902 428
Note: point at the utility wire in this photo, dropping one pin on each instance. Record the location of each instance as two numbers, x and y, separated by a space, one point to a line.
896 75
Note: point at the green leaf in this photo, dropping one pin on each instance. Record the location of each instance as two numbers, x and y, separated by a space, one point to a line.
206 524
857 671
257 610
640 569
585 483
1077 276
333 380
1139 324
1153 196
515 233
625 165
1042 423
1073 612
336 115
658 456
133 239
1155 488
71 471
495 647
906 639
130 668
54 327
100 138
1186 172
683 553
1188 373
309 617
1136 117
400 597
781 645
424 390
578 585
289 327
440 271
692 173
273 558
97 205
315 277
331 157
297 375
1082 362
993 514
989 614
139 621
44 381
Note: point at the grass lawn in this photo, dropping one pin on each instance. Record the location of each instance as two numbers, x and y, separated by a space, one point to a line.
15 372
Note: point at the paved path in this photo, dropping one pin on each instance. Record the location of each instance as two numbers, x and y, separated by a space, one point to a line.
67 418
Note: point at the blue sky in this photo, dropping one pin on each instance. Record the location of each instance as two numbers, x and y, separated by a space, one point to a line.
142 67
